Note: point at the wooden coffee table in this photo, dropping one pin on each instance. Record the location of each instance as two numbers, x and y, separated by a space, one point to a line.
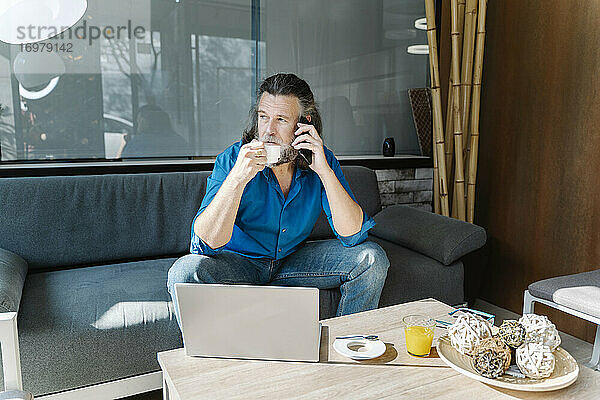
395 374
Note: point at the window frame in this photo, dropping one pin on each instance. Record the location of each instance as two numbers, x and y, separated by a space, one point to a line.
96 166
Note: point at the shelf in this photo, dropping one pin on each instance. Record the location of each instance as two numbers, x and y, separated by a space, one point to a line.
25 169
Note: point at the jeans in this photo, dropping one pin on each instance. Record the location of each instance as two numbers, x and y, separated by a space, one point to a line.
358 271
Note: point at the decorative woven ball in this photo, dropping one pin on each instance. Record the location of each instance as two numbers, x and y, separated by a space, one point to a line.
512 333
535 360
539 329
467 332
491 357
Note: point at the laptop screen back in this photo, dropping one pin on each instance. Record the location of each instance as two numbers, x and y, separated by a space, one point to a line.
259 322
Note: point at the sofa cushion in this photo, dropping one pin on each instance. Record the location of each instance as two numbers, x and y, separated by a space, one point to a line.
109 218
363 183
414 276
329 299
441 238
580 292
90 325
84 326
74 220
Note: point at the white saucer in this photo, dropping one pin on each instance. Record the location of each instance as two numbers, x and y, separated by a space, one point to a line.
371 349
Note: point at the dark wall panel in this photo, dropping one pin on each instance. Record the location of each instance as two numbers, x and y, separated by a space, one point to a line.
539 168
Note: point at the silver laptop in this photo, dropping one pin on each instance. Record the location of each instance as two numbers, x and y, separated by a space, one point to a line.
256 322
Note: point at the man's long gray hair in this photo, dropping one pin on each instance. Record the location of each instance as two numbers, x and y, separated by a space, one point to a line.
285 85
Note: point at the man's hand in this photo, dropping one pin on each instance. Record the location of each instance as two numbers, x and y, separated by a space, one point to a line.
251 159
215 224
307 137
346 214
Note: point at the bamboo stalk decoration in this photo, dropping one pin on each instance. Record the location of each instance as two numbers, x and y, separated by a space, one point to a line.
467 61
450 147
436 101
459 180
436 184
474 127
454 212
461 12
449 139
466 75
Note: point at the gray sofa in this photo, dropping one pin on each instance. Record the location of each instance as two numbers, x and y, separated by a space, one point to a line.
85 261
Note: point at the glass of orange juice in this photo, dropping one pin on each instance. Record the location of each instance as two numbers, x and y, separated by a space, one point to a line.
418 330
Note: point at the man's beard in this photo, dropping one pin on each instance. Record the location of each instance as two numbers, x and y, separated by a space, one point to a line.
288 153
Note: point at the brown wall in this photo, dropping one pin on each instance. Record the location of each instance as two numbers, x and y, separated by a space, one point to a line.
539 167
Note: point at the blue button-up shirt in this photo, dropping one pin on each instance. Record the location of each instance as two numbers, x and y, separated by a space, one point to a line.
269 225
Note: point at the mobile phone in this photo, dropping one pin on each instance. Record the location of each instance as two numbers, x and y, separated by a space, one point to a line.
305 153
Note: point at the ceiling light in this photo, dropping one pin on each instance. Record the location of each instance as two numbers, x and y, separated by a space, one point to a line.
30 21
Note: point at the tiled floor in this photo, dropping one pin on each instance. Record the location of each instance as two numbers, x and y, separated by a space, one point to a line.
579 349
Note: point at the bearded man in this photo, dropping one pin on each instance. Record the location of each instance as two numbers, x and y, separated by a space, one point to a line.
255 217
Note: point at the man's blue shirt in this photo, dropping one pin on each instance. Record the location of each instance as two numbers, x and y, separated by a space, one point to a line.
267 224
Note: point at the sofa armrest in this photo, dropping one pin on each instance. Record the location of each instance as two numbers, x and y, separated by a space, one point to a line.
441 238
13 270
11 360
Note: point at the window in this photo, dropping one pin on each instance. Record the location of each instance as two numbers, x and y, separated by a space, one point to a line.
161 78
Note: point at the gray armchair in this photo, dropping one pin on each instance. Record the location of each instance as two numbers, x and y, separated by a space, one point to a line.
576 294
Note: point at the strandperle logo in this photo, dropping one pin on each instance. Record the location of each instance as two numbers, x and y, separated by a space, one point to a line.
83 31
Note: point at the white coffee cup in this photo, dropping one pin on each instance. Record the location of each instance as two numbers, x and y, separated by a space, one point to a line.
273 153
